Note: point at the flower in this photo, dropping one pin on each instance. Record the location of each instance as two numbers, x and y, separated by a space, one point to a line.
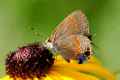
38 63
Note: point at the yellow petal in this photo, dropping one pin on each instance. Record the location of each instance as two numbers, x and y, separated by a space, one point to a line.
55 75
89 68
94 60
6 78
75 75
48 78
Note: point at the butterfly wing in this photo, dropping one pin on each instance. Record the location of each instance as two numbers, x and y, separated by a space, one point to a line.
75 23
72 46
70 36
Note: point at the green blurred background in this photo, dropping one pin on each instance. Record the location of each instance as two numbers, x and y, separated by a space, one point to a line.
26 21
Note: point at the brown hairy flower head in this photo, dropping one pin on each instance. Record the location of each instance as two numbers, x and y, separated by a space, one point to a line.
29 61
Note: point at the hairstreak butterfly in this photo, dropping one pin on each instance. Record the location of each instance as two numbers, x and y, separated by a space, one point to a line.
72 38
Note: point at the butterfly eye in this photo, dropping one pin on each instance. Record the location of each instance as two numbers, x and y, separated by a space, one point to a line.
87 53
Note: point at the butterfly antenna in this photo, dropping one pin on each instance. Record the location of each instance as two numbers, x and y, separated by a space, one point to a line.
96 47
103 51
93 35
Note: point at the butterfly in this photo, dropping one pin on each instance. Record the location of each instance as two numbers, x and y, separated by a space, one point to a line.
72 38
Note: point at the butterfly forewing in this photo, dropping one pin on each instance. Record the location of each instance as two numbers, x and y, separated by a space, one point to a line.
75 23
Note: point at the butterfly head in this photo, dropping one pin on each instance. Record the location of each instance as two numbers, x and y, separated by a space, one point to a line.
51 47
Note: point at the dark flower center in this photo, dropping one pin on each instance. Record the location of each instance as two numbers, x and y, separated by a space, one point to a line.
33 60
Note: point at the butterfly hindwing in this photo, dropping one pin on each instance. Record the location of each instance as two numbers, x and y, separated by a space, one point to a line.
72 46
